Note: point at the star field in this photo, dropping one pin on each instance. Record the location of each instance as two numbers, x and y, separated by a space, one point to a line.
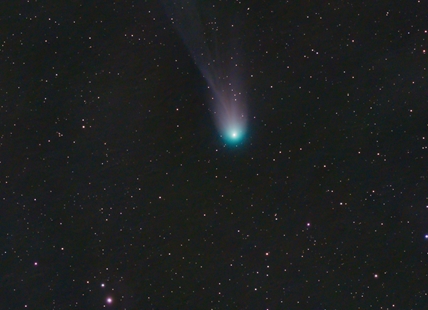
117 190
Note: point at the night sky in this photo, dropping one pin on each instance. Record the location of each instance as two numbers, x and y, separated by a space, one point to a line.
119 191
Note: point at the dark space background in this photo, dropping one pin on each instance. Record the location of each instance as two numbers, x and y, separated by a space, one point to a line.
114 181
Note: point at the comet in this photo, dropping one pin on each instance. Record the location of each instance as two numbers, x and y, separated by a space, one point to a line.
216 54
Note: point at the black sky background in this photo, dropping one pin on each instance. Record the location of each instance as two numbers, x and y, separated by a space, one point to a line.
112 171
